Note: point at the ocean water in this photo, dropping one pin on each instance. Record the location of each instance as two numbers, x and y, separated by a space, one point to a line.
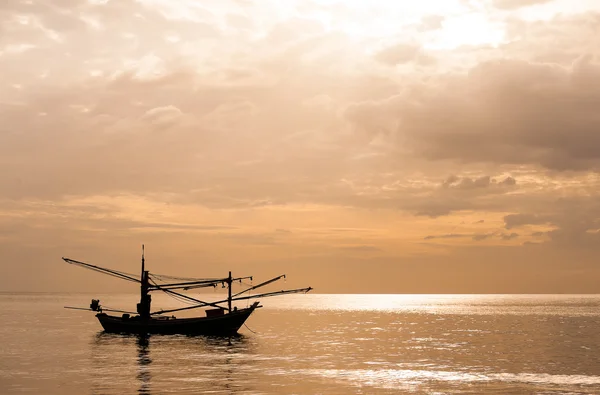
313 344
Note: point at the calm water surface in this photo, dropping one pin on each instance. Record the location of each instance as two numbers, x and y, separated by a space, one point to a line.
314 344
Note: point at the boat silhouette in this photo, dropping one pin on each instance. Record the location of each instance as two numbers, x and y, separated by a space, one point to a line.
221 319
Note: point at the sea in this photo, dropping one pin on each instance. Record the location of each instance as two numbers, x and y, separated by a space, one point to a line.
312 344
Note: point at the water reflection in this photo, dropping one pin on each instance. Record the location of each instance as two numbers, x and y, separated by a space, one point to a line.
144 374
159 364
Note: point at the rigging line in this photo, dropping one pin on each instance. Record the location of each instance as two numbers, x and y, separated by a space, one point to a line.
102 270
247 327
94 267
165 276
191 284
201 303
115 273
181 300
170 287
176 297
175 277
109 274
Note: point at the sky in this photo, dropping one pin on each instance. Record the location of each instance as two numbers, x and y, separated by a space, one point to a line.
438 146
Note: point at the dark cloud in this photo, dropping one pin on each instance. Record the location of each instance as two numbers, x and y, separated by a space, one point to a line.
515 220
509 112
509 236
446 236
482 236
467 183
474 237
577 231
434 208
509 181
572 223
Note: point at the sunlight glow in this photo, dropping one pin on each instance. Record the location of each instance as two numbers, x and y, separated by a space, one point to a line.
394 21
472 30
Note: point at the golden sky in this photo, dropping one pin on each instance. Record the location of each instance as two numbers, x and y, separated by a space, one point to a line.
358 146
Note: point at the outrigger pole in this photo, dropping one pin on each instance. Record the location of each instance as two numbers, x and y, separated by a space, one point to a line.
102 309
110 272
230 298
289 291
261 285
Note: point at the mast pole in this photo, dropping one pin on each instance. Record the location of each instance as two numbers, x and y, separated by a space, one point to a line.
143 308
142 278
229 281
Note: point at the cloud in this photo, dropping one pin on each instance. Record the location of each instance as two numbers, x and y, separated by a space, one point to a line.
361 248
435 208
482 236
127 119
509 236
515 220
509 181
512 4
163 116
474 236
509 112
568 223
431 22
446 236
466 183
397 54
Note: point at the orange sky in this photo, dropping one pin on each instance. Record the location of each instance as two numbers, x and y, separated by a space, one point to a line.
382 146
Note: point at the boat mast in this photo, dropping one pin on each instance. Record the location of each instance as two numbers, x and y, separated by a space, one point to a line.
143 308
229 281
143 261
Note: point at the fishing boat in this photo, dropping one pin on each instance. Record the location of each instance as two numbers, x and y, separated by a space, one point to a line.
220 319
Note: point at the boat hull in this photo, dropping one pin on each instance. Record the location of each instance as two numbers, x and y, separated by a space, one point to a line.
223 325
